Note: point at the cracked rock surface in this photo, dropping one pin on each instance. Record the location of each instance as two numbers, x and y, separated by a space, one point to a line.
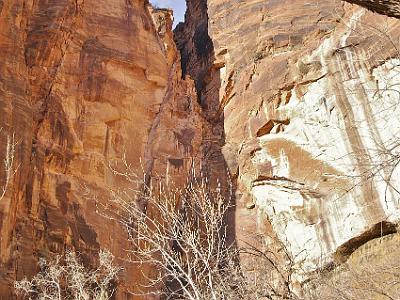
310 100
83 84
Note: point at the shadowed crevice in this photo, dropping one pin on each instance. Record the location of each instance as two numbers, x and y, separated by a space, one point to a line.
198 61
389 8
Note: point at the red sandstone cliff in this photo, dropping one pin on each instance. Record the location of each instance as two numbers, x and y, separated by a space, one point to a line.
286 101
305 93
303 90
83 83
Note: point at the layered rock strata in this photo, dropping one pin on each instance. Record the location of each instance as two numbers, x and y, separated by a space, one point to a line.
82 85
310 102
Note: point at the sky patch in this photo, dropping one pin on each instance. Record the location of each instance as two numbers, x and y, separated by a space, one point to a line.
179 7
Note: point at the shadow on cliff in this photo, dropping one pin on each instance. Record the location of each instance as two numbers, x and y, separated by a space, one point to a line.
197 58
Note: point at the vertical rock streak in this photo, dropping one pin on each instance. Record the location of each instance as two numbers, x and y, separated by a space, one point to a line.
304 88
83 84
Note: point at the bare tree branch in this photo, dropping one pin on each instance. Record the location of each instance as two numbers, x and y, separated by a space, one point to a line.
8 164
66 278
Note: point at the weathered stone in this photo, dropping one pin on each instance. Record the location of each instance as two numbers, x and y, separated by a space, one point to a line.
291 106
83 83
306 89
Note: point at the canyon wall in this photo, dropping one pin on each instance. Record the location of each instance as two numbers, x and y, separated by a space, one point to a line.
293 108
84 84
310 97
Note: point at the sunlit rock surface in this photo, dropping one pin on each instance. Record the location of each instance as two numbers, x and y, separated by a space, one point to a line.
82 85
310 93
298 99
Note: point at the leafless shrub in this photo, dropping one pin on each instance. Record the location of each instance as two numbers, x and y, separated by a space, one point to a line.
8 164
268 272
67 278
354 282
181 236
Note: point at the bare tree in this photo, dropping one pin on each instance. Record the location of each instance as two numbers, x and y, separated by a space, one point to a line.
181 236
67 278
8 164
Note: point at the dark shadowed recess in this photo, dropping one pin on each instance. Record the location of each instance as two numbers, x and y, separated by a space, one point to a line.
196 46
197 59
390 8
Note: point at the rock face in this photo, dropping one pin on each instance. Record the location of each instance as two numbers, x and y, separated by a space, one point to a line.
197 52
295 102
309 93
82 84
386 7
